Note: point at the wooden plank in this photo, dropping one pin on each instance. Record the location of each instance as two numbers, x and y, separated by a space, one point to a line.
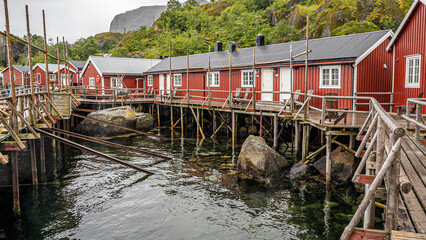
403 221
367 234
4 159
12 133
410 145
416 182
10 146
364 179
415 161
399 235
415 209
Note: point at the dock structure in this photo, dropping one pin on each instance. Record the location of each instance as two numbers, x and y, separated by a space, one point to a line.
393 157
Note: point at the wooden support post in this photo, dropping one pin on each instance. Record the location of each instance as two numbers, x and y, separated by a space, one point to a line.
198 123
380 144
328 163
351 141
392 183
15 183
33 161
254 80
46 59
209 82
418 119
322 140
181 122
275 146
187 78
59 74
233 130
297 140
214 121
30 59
305 112
260 124
42 156
370 211
171 119
197 117
304 143
158 117
229 80
291 80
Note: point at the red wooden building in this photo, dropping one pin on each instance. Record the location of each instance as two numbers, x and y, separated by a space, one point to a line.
111 73
344 65
77 67
21 73
409 48
39 71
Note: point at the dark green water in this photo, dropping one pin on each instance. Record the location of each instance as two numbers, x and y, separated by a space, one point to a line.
194 196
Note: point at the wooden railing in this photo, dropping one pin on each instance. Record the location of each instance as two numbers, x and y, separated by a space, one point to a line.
384 136
415 111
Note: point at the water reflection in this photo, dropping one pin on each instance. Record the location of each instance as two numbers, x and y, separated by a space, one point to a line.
196 195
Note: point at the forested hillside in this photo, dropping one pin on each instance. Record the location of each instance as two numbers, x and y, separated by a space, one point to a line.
192 27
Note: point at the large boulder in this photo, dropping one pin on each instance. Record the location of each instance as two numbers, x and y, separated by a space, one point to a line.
123 116
259 161
299 171
343 165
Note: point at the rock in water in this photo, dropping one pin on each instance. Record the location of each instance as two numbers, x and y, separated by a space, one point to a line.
343 164
259 161
298 171
123 116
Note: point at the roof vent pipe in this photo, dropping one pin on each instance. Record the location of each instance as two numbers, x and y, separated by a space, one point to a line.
260 40
218 46
232 47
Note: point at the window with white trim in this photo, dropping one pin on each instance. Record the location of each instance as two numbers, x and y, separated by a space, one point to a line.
52 77
116 82
150 80
91 82
247 78
214 79
412 71
330 77
177 80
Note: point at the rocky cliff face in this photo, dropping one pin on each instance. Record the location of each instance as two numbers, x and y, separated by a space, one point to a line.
136 18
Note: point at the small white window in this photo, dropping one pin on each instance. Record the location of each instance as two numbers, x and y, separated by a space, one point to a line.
91 82
214 79
116 83
247 78
330 77
412 71
52 77
150 80
177 80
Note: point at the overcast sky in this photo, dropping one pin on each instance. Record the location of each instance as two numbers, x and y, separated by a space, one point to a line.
72 19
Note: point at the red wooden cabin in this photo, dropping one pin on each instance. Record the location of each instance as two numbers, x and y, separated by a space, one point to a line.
344 65
409 48
39 71
77 67
112 73
21 73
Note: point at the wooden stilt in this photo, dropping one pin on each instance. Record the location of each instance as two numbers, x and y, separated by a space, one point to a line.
181 122
42 156
260 124
214 121
233 130
171 119
275 146
304 144
196 120
370 211
15 183
308 137
352 141
33 161
322 141
328 163
392 183
158 117
297 140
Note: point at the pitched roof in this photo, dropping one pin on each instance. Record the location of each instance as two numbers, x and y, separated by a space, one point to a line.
78 64
114 65
52 67
22 68
348 47
404 22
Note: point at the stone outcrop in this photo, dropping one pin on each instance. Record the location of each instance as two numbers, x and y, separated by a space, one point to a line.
259 161
343 165
299 171
123 116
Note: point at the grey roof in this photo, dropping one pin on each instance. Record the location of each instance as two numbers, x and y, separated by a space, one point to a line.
348 47
23 68
78 64
52 67
128 66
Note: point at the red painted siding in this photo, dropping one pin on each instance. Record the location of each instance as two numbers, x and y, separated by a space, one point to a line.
40 75
373 77
346 77
91 72
20 79
411 41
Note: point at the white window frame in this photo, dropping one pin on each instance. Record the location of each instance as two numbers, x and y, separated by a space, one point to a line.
330 68
92 82
250 81
407 62
213 76
118 83
150 80
179 75
50 77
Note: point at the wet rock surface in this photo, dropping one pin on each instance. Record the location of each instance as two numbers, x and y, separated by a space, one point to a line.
299 171
260 162
343 164
123 116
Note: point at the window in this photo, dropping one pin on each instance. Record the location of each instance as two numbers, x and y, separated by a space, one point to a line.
247 78
52 77
150 80
330 77
214 79
116 83
412 71
177 80
91 82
